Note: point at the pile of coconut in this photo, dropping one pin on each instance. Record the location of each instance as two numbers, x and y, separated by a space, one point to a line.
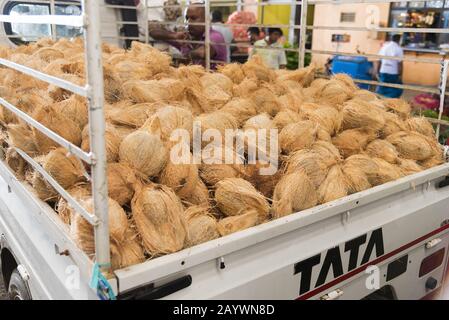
334 140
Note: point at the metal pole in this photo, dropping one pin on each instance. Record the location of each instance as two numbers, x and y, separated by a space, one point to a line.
94 71
302 34
53 26
291 30
443 82
147 31
207 33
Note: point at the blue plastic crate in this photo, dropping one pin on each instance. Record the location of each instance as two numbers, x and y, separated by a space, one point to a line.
356 67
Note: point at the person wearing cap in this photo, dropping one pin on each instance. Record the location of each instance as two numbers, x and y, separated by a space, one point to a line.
194 52
269 49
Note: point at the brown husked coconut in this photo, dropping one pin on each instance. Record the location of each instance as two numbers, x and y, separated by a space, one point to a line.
198 196
123 131
329 119
241 222
304 76
297 136
327 152
266 100
241 108
79 192
74 108
126 113
356 175
167 119
48 54
285 117
283 87
127 252
433 161
291 101
19 136
153 90
16 163
334 92
33 99
144 152
214 98
398 106
132 70
83 232
393 124
387 172
264 180
345 80
58 123
409 167
121 182
217 79
365 95
159 218
384 150
362 114
310 163
411 145
334 186
245 88
255 69
420 125
323 135
260 121
182 178
213 173
235 196
233 71
217 121
293 193
201 225
59 94
353 141
112 140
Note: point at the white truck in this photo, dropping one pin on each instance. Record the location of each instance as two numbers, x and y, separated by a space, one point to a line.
388 242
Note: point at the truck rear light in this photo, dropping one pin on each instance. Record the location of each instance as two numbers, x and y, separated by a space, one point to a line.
431 262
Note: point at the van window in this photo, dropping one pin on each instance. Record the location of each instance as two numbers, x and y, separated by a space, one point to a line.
24 33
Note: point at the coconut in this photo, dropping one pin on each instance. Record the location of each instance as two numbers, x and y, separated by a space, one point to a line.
166 120
361 114
121 182
235 196
122 131
387 172
290 101
255 69
409 167
293 193
241 108
329 119
346 81
392 125
217 121
75 109
144 152
217 79
58 123
356 169
199 195
297 136
128 252
214 98
132 70
245 88
58 93
310 163
334 186
411 145
78 192
353 141
182 178
365 95
432 162
261 121
384 150
126 113
83 232
264 181
153 90
233 224
159 218
398 106
420 125
16 163
266 101
19 137
327 152
233 71
286 117
334 93
303 76
201 224
48 54
112 140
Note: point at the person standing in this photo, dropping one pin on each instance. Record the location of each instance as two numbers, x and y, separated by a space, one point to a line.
226 32
390 71
270 49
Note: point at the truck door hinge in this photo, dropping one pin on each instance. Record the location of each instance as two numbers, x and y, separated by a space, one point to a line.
332 295
432 243
23 272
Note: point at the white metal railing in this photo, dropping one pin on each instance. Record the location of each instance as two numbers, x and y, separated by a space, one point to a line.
89 20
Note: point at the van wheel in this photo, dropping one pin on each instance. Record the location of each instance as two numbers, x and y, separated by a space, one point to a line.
17 289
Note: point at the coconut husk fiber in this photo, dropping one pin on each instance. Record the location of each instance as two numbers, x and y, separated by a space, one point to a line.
59 94
356 175
19 137
290 101
257 70
266 100
393 124
293 193
79 192
182 178
265 183
297 136
334 186
233 71
199 195
334 92
214 98
144 152
329 119
409 167
159 218
327 152
75 109
245 88
217 79
83 233
217 120
235 196
353 141
411 145
420 125
387 172
241 109
303 76
362 114
260 121
112 140
58 123
285 117
201 224
126 113
128 252
346 81
384 150
16 163
141 91
121 182
310 163
241 222
398 106
365 95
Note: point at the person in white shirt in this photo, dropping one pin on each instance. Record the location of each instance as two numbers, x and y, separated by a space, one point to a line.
268 50
226 32
390 71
